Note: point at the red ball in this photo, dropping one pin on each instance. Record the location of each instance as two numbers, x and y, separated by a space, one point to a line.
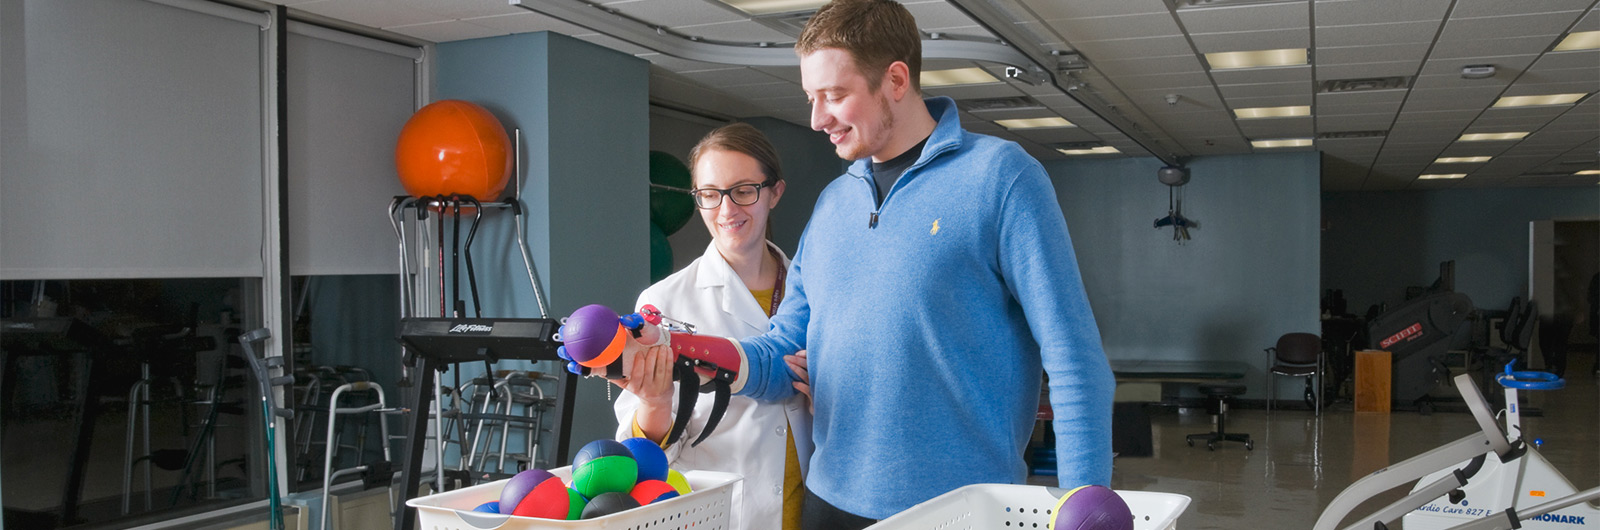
649 491
547 498
453 147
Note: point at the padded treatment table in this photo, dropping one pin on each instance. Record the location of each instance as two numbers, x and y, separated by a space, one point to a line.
1141 382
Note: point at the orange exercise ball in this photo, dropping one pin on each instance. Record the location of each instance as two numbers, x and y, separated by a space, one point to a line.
453 147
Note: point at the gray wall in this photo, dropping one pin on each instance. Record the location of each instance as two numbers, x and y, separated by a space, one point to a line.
1248 275
1376 244
583 111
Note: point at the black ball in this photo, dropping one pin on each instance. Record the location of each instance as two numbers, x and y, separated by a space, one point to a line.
607 504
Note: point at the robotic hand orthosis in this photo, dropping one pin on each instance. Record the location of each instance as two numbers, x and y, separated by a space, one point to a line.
598 342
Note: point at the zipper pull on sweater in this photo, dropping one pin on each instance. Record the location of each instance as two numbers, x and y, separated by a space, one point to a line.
873 221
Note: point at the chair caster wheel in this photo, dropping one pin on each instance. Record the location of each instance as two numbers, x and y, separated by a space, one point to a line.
1190 442
1249 445
1211 446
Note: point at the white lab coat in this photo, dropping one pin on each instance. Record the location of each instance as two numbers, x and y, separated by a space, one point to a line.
752 438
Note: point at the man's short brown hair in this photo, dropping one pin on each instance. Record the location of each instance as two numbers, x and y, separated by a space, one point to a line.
875 33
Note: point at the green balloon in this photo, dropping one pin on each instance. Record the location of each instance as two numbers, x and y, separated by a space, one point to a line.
660 254
669 209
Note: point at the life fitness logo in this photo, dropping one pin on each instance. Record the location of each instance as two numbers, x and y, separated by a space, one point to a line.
471 328
1411 332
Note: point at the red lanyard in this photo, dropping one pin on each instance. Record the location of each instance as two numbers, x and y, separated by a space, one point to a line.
777 288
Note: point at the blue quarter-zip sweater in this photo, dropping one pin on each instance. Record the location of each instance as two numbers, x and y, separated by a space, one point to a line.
928 320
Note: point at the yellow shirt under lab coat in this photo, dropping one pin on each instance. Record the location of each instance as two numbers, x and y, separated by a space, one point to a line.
752 439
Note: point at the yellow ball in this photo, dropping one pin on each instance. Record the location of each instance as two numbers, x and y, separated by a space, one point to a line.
678 482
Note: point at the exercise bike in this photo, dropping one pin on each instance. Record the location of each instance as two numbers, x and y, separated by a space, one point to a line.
1486 480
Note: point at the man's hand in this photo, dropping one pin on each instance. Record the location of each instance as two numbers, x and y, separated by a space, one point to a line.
798 364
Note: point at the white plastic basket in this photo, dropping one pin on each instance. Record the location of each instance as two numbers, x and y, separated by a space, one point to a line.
1007 506
704 508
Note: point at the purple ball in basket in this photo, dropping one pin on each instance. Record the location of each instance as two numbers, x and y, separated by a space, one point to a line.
592 336
538 493
652 460
1092 508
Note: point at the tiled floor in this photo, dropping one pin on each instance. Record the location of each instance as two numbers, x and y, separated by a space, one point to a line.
1301 462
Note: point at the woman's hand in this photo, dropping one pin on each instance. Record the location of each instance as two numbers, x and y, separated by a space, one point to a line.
799 365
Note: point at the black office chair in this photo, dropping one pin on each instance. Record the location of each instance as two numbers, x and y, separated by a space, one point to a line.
1217 398
1296 355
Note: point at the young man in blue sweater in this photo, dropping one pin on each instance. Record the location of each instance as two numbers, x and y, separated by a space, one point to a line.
934 281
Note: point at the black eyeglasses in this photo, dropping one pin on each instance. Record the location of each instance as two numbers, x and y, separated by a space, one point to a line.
742 195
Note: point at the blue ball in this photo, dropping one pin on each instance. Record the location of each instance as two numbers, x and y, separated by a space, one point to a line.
600 449
488 507
652 460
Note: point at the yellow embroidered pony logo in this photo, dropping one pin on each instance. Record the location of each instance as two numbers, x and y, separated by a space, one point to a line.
935 230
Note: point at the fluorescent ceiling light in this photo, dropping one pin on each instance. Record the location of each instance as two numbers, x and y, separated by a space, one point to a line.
1588 172
1102 150
957 76
1547 99
767 7
1442 176
1462 159
1286 142
1272 112
1582 40
1488 137
1034 123
1256 59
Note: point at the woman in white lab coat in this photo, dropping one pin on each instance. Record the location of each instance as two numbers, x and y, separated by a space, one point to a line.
729 291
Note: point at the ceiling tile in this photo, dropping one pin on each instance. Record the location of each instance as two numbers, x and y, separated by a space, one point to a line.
1354 122
1489 47
375 13
937 15
1159 81
1277 128
1271 101
676 13
1054 9
1437 65
1497 8
1567 60
1294 89
1361 97
1328 109
1244 76
1356 12
1252 40
1124 27
1375 34
1371 54
1146 66
1247 17
1070 134
1368 70
1134 48
1501 78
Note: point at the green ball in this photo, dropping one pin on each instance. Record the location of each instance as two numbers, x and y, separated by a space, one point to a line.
669 209
575 505
660 254
606 474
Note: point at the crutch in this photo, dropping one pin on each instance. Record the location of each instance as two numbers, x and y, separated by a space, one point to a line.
270 410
